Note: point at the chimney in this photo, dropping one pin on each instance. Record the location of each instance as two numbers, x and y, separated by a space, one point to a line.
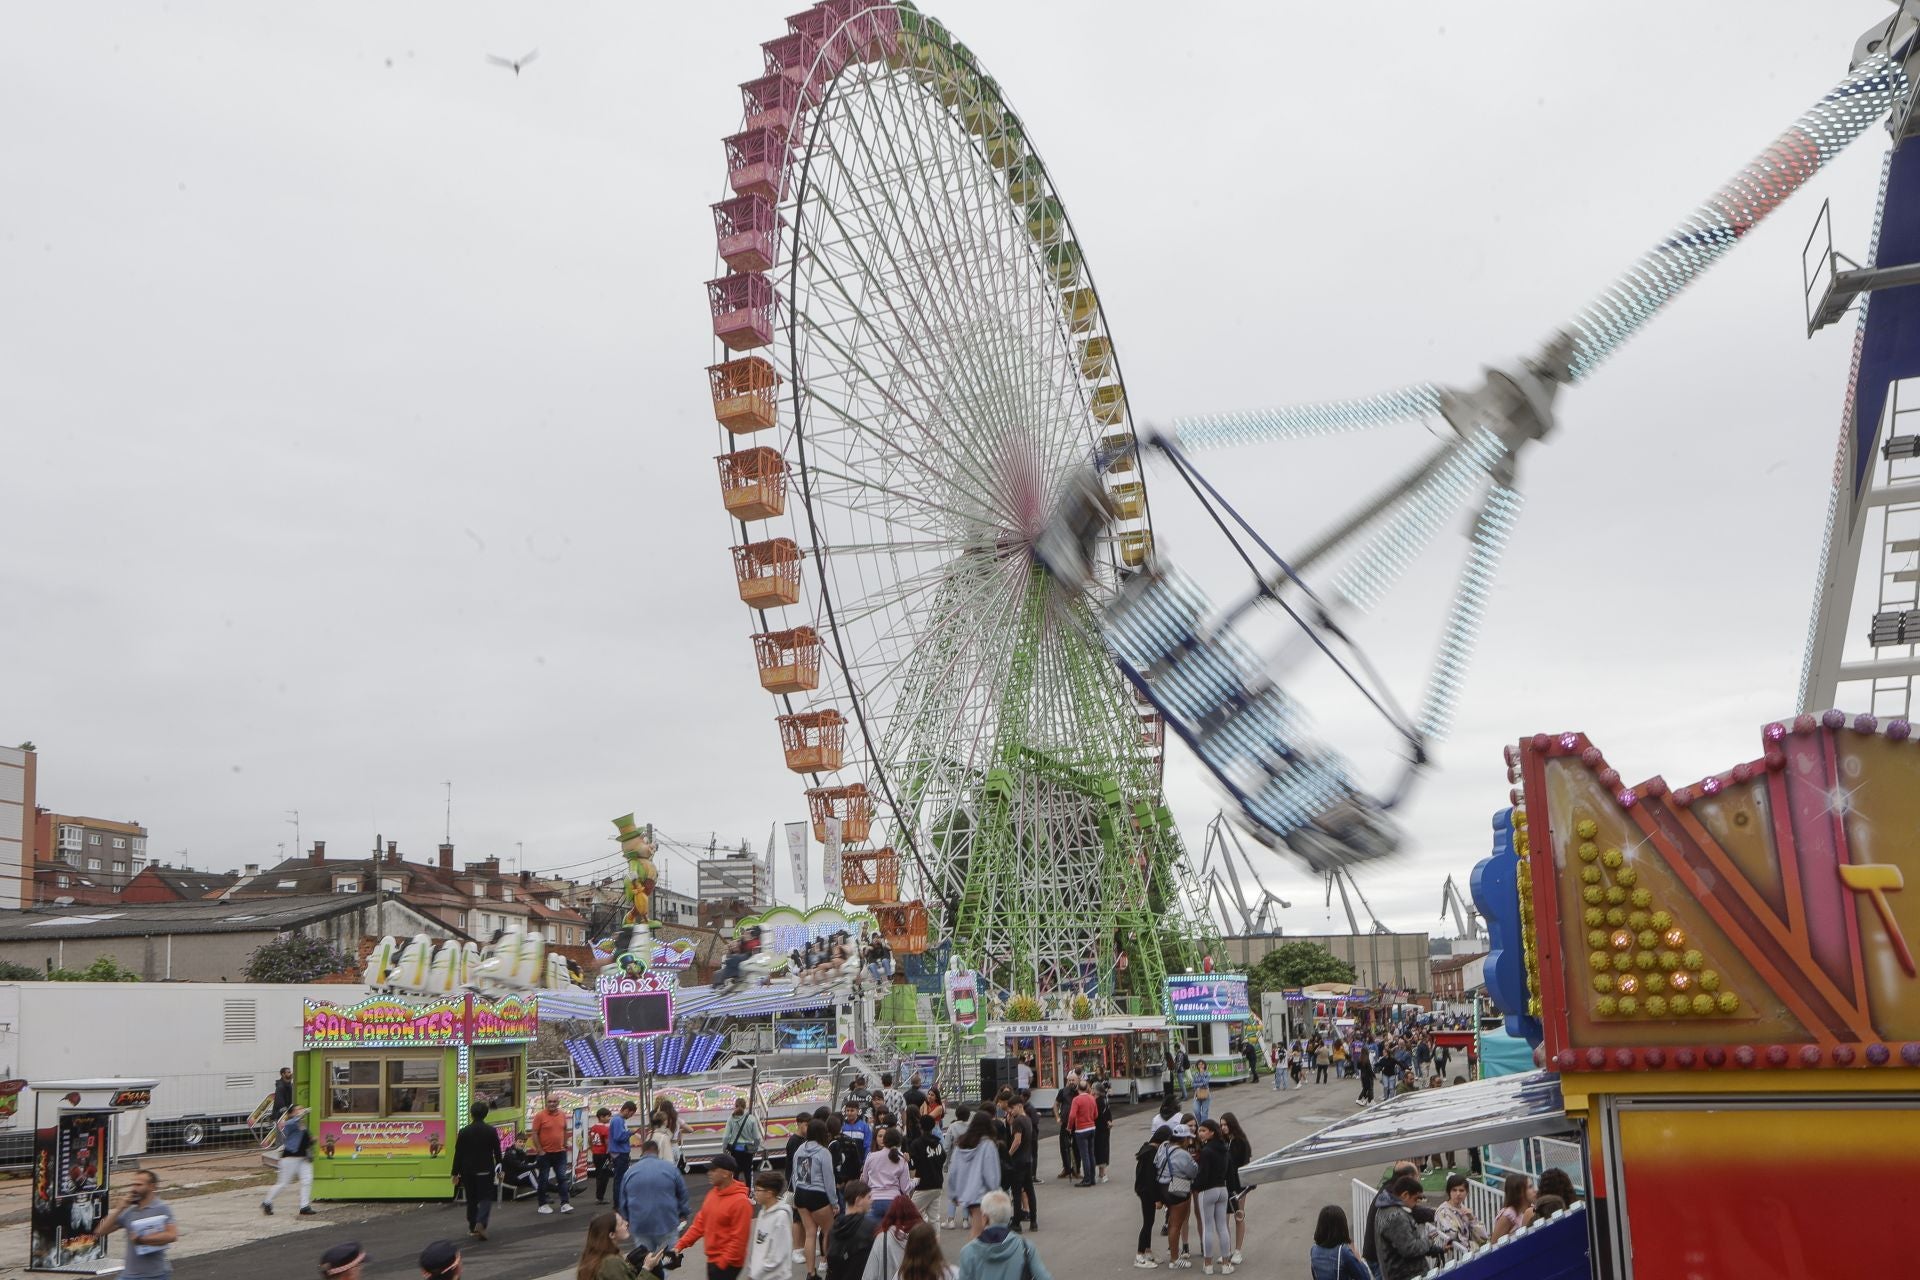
252 870
446 857
526 877
319 853
393 851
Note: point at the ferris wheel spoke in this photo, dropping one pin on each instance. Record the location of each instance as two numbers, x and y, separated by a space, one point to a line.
900 169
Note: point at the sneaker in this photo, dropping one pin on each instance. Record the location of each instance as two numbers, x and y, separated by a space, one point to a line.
1182 1264
1236 1259
307 1212
481 1232
566 1208
1226 1268
799 1256
1145 1263
1103 1177
266 1208
545 1208
1206 1268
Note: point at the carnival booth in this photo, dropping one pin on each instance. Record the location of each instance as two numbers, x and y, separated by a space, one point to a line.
389 1080
1130 1053
1210 1015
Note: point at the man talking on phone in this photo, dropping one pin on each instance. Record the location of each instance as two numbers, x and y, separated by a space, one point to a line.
149 1223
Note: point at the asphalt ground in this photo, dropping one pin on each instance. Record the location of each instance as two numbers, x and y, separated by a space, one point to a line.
1085 1232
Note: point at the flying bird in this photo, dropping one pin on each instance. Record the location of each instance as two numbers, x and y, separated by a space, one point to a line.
513 64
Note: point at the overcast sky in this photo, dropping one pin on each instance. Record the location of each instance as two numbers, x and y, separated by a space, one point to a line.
356 437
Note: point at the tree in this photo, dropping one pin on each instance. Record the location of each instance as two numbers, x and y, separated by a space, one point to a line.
295 958
11 972
103 969
1295 964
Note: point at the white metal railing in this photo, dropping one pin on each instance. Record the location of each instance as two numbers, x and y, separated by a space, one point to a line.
1565 1156
1363 1195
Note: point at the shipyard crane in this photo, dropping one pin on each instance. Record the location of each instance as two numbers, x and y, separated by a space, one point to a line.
1340 878
1255 917
1466 921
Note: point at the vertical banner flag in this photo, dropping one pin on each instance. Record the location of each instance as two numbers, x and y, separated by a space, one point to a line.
963 999
773 880
797 847
830 864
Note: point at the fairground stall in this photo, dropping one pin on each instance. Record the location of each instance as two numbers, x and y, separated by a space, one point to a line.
1128 1052
389 1080
74 1151
1210 1015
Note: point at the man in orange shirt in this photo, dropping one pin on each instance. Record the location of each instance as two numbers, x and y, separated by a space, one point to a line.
725 1220
550 1144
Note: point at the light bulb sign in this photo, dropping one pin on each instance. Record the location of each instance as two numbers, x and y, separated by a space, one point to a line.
1207 997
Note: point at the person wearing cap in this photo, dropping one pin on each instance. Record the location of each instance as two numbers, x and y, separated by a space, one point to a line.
725 1222
440 1261
343 1261
296 1161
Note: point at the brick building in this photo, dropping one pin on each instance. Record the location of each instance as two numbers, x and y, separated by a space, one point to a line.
476 900
158 882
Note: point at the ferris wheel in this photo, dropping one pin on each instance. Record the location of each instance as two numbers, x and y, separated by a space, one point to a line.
913 367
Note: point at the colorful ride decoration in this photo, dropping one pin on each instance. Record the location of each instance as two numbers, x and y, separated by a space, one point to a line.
919 374
390 1078
1722 976
636 847
1756 918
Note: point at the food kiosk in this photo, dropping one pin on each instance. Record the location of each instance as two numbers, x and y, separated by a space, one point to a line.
1128 1052
1211 1014
388 1081
73 1153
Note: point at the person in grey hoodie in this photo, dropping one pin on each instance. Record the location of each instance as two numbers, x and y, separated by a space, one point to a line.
974 1169
997 1253
949 1138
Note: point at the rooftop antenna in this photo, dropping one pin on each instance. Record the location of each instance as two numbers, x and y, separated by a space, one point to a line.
519 853
294 818
449 787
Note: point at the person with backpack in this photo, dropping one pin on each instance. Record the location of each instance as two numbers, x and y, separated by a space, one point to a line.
1175 1170
998 1253
850 1239
1146 1189
741 1138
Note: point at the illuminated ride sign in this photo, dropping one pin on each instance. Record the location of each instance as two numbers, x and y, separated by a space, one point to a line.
433 1022
1207 997
641 1006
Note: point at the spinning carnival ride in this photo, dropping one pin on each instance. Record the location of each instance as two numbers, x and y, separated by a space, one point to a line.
913 365
975 647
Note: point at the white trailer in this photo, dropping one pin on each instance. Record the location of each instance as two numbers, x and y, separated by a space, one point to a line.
215 1047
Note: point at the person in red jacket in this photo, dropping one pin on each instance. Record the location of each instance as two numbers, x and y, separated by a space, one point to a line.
725 1220
1083 1117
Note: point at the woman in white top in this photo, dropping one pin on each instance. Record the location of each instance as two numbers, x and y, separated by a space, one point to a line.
665 1130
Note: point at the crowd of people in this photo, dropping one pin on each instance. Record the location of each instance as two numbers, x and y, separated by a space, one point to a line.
1404 1236
1399 1060
869 1188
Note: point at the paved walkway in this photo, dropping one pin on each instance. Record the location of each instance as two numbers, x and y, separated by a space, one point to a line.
1085 1232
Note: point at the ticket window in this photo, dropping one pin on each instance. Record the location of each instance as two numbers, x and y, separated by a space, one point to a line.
372 1086
1089 1055
496 1082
